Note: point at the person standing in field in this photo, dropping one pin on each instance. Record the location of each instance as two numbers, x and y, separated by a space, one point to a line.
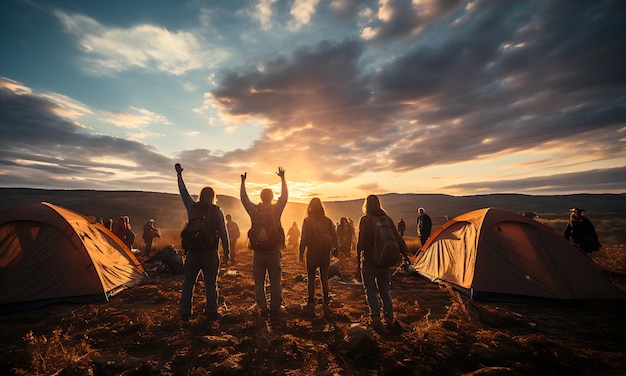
119 228
293 236
129 236
149 233
345 236
580 231
267 239
233 235
376 278
319 238
204 257
401 227
424 225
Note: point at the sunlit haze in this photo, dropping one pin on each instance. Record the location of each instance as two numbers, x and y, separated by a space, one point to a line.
350 97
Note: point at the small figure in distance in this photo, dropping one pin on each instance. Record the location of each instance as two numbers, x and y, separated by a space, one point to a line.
149 233
580 231
267 239
401 227
293 236
345 236
119 228
233 236
319 238
424 225
206 256
129 237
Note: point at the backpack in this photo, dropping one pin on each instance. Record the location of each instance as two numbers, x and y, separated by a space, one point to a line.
320 235
199 234
265 233
386 249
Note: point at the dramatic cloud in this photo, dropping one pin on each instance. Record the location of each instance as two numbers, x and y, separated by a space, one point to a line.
109 50
351 97
496 82
39 148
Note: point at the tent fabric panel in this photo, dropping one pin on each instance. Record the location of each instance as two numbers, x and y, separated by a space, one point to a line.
525 259
62 256
451 257
510 257
83 226
114 268
46 265
515 259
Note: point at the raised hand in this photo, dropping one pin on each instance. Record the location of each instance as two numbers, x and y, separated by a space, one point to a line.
244 176
281 172
178 168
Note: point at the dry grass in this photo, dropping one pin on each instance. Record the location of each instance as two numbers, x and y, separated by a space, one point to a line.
138 332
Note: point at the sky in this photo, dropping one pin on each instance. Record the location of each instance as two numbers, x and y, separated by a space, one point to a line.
350 97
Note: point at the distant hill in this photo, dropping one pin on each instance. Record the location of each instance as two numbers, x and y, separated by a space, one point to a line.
607 211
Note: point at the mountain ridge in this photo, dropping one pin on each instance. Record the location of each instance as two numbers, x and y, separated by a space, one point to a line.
607 211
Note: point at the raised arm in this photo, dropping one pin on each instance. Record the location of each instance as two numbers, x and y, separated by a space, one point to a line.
282 200
184 194
243 195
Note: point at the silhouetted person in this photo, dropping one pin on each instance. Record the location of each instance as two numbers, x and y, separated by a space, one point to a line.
318 240
293 236
206 258
267 239
233 236
580 231
129 236
119 228
345 236
424 225
401 227
149 233
376 279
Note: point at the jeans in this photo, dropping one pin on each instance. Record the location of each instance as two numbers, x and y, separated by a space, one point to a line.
208 262
269 262
377 280
311 269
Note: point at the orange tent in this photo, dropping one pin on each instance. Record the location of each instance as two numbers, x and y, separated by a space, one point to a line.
501 255
50 254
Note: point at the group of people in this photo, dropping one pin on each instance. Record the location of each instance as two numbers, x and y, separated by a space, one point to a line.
346 237
319 238
423 226
122 228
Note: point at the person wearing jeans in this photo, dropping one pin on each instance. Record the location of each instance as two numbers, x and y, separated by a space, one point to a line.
376 279
206 259
267 261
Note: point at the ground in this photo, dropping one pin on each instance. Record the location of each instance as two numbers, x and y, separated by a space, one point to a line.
138 332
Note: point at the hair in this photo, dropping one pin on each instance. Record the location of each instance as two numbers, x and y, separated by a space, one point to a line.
207 196
315 208
372 205
267 195
229 217
343 220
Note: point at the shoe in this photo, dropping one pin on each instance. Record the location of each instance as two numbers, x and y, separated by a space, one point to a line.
279 311
327 311
377 323
212 316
